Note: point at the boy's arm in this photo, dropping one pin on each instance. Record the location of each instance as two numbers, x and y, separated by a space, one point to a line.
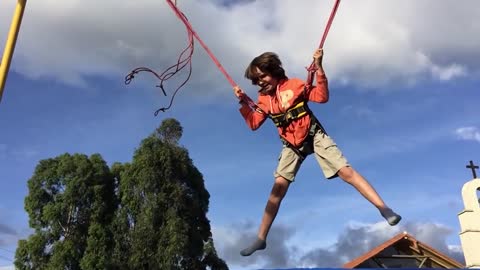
319 93
253 118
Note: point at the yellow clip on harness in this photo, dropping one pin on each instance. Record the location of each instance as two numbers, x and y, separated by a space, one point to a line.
283 119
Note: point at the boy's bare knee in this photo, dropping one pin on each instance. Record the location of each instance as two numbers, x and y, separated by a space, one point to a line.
280 187
346 173
280 180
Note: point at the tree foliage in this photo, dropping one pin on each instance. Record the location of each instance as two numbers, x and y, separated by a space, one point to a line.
170 131
68 195
150 213
164 205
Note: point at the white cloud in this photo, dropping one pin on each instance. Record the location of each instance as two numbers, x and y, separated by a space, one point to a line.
439 72
468 133
371 43
449 72
9 267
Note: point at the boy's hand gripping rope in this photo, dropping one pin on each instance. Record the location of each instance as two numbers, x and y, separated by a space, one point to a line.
312 68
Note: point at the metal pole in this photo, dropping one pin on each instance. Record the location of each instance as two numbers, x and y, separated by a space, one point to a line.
10 44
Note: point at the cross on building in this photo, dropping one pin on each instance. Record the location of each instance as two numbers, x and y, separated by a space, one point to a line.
473 167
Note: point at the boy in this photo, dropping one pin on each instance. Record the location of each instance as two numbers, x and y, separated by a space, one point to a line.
284 100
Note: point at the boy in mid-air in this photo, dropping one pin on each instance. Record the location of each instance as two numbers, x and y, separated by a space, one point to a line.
284 100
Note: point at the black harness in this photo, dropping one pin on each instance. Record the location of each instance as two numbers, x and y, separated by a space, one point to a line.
298 111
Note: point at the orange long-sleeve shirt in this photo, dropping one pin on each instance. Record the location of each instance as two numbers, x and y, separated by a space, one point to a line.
289 93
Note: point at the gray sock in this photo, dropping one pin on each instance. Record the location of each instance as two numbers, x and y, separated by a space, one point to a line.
391 217
259 244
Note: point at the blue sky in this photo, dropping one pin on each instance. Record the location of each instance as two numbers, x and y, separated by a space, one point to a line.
403 109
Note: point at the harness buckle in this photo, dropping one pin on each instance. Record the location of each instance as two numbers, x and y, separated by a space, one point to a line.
283 119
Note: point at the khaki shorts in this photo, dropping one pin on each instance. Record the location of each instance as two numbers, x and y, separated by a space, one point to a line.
326 152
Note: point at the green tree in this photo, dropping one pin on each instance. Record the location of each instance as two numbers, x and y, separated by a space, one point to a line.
161 222
170 131
211 258
147 214
70 206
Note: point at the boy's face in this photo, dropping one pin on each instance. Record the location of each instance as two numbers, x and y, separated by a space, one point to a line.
266 82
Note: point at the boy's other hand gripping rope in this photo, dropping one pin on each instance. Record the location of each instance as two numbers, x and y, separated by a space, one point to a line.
312 68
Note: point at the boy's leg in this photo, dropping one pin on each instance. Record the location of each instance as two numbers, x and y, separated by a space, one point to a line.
351 176
288 164
334 164
279 189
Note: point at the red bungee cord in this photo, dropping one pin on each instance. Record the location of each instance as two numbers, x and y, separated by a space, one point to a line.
311 69
188 51
185 59
244 98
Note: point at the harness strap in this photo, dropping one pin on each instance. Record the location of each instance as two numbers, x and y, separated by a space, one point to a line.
315 126
283 119
308 142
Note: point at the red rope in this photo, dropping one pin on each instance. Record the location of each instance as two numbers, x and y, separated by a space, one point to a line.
329 23
185 59
244 98
190 28
181 63
312 69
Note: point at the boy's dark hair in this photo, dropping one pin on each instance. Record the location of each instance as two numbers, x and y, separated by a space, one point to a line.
267 62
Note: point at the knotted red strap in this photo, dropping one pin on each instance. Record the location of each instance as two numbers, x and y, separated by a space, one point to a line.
243 98
312 69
